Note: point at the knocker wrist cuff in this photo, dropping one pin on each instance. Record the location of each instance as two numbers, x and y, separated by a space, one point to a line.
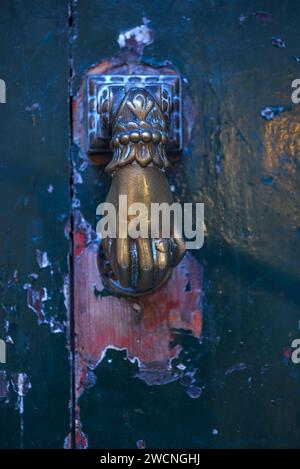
139 132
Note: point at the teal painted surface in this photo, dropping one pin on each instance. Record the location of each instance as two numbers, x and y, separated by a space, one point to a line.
251 390
34 206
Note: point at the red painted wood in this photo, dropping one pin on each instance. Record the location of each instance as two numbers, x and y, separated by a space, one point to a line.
143 326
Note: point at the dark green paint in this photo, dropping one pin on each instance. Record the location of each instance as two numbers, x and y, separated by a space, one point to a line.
252 282
34 149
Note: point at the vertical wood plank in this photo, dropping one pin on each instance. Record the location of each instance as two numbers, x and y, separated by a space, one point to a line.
34 207
245 170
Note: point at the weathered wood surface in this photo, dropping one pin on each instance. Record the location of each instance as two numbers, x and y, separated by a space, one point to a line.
238 387
246 171
35 204
144 327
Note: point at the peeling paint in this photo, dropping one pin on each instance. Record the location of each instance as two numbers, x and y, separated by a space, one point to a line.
66 293
42 259
56 327
8 338
77 178
84 233
261 16
137 38
84 165
270 112
277 42
81 440
34 109
21 385
148 334
236 367
195 391
35 301
141 444
33 276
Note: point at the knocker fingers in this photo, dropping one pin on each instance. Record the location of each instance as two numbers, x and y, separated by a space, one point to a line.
145 280
161 257
123 263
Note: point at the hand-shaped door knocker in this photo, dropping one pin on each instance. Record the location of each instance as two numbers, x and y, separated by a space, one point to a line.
137 117
133 266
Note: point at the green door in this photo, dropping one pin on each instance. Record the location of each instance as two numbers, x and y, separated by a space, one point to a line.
236 383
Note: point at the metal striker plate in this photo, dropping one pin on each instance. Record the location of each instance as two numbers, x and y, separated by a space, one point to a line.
104 94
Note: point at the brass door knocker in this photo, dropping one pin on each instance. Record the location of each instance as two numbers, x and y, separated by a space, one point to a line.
139 138
139 117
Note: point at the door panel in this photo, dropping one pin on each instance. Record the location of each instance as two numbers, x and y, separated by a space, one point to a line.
237 386
245 170
35 205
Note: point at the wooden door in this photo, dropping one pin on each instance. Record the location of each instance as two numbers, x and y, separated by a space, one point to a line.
206 363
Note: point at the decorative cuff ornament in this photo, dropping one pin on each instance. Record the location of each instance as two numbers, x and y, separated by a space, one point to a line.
139 132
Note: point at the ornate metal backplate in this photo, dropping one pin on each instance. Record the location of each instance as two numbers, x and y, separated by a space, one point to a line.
104 94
